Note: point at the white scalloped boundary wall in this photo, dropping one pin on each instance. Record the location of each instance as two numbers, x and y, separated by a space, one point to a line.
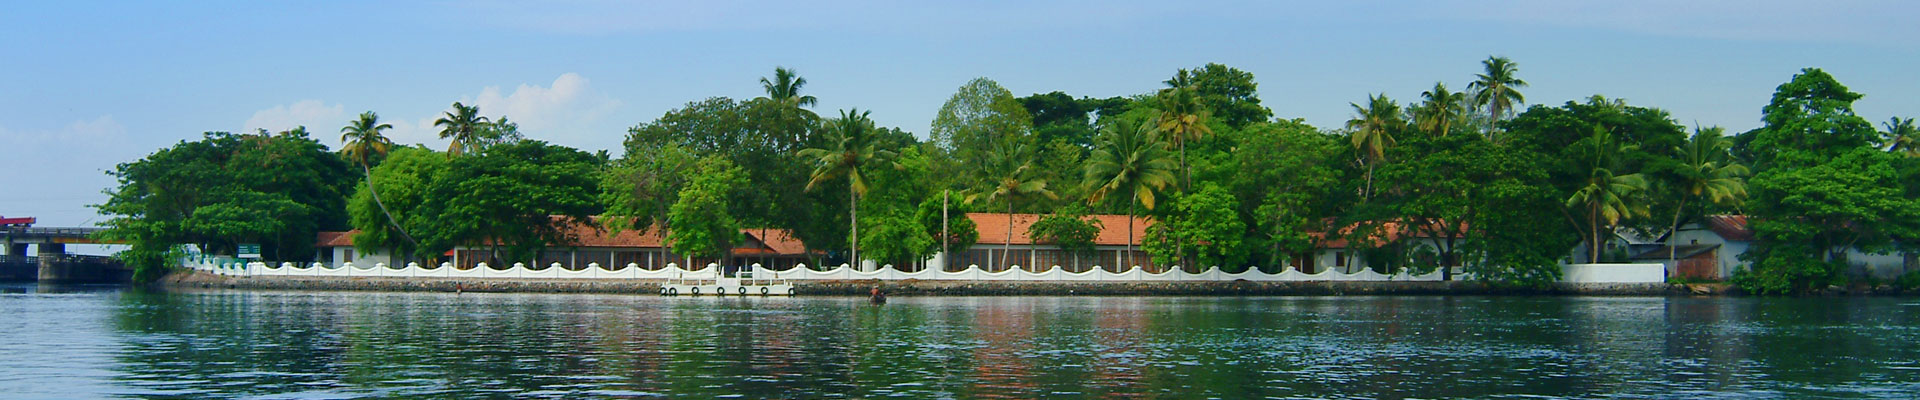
801 272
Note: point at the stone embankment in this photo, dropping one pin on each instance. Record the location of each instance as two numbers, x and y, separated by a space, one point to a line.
920 287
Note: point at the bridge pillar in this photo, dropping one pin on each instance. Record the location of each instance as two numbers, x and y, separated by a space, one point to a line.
16 249
56 269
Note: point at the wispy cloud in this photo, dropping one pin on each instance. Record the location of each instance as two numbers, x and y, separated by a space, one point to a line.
316 115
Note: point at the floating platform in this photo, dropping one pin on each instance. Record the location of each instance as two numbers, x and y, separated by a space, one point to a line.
727 286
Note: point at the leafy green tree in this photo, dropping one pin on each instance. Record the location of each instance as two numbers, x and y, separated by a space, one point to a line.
1371 131
1229 94
515 198
1609 194
978 117
1058 117
1497 89
702 225
465 127
277 190
402 179
1820 187
1290 175
763 137
1009 169
851 150
1207 219
364 144
891 232
1130 164
1067 228
639 189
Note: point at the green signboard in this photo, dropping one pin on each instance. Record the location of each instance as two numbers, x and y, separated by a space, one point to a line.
249 251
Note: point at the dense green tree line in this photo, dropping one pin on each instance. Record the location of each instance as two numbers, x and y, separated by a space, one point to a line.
1503 189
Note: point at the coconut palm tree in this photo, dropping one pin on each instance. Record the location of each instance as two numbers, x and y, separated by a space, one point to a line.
1009 169
852 148
1607 195
1182 119
465 126
1707 171
1128 161
363 143
1371 131
785 86
1439 109
1497 89
1902 137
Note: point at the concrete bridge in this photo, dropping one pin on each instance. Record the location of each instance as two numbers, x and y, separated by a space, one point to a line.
40 254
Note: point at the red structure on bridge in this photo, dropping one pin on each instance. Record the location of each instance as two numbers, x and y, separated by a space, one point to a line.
21 222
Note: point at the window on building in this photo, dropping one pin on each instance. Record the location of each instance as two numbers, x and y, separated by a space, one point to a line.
349 257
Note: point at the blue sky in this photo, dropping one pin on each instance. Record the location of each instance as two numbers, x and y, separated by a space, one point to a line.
86 85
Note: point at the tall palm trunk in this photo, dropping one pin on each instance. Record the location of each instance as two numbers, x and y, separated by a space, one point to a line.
1593 216
853 219
1130 211
1186 175
1007 245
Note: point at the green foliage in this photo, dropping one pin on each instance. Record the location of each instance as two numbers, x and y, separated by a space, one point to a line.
891 233
980 116
1067 228
762 136
1229 94
1290 174
959 232
1809 120
515 198
402 181
1908 282
1821 187
1203 227
701 225
277 189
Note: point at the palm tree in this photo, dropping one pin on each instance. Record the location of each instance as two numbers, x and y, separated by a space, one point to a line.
1182 119
1372 132
785 86
1128 161
464 126
1496 90
1607 196
1009 169
364 142
1439 109
1902 137
851 138
1707 170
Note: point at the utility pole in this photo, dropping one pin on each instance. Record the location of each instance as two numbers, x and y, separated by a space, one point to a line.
944 256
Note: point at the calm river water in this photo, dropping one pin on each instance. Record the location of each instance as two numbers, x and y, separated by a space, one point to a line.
108 342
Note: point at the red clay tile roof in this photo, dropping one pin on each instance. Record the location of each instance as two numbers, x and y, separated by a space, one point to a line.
780 241
335 239
1113 228
1732 228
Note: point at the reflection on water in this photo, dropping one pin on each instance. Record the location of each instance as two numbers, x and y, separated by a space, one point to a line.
230 344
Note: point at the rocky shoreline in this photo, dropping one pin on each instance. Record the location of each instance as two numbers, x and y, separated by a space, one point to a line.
199 280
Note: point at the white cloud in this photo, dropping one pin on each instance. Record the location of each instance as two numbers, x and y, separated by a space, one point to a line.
102 130
313 114
563 112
